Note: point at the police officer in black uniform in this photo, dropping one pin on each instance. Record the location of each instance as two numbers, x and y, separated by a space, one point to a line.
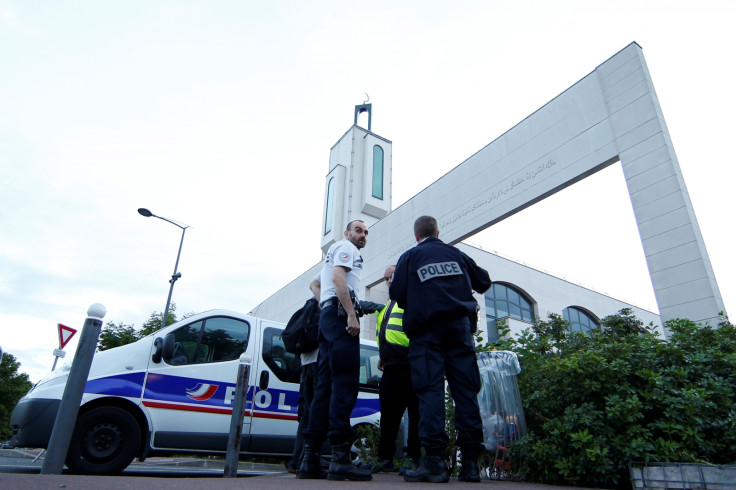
434 283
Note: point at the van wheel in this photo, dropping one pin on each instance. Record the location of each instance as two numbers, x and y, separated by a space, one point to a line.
104 442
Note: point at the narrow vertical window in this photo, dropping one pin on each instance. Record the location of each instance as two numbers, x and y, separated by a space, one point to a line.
377 172
329 207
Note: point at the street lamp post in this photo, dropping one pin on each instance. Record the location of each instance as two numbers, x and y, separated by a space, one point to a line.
176 275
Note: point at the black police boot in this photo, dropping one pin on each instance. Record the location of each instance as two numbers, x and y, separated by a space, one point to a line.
341 468
310 469
469 469
431 469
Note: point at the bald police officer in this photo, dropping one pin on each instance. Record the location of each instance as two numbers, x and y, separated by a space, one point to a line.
338 362
434 283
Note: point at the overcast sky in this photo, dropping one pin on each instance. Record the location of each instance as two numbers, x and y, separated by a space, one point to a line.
221 115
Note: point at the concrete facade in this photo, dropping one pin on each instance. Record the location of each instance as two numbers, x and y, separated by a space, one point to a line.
611 116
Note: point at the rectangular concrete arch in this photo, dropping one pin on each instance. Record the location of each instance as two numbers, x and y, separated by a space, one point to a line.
612 115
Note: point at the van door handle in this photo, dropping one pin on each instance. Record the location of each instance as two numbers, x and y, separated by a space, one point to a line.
263 383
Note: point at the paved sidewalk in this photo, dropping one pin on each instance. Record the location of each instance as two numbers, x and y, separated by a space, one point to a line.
18 481
270 476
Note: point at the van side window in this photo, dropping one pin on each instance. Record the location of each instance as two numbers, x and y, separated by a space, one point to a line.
370 376
285 365
213 339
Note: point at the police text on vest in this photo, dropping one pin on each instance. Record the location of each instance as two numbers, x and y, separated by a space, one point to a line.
440 269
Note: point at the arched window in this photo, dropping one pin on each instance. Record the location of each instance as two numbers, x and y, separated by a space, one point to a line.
505 301
377 187
330 205
580 320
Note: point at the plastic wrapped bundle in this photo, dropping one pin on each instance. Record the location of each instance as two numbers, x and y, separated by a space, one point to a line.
500 408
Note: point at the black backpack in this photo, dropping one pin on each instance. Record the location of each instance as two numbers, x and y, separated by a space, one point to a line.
302 331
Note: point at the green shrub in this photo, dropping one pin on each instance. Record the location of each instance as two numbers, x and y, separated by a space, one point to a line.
596 401
366 442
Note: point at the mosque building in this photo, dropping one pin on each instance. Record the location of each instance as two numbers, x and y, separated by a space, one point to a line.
612 116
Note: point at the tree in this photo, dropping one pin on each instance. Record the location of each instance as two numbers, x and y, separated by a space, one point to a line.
14 386
595 402
117 334
153 324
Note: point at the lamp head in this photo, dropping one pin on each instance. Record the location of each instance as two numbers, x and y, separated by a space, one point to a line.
145 212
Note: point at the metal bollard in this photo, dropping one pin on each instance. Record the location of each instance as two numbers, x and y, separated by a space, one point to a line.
236 422
66 417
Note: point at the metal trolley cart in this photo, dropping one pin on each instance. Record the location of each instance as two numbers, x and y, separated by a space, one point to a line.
501 411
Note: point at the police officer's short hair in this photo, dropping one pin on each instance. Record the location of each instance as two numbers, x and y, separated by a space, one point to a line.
350 225
425 226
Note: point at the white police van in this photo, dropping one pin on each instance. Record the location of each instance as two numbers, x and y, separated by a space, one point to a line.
172 392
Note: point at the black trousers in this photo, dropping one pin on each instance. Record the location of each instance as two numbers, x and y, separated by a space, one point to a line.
307 385
338 371
441 351
397 395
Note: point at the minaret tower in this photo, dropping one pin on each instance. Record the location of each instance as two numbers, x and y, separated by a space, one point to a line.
358 182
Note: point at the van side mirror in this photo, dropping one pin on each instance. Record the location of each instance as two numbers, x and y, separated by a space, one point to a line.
168 347
159 344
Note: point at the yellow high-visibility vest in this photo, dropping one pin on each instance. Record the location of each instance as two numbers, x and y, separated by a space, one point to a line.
393 325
